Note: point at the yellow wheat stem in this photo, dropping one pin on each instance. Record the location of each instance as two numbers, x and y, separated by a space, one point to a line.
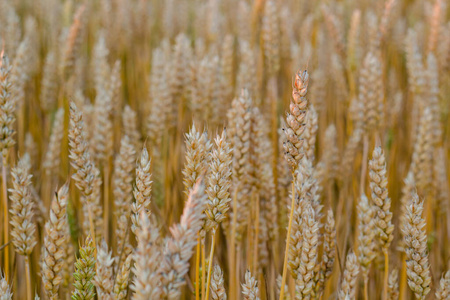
197 270
233 244
203 267
366 294
91 227
255 246
238 267
106 174
211 256
364 164
403 278
288 238
386 274
28 277
5 217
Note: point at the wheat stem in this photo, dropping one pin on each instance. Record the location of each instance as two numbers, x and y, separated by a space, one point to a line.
366 294
28 276
202 245
238 266
255 245
197 270
233 244
91 227
403 279
288 238
106 206
364 164
211 256
386 274
5 216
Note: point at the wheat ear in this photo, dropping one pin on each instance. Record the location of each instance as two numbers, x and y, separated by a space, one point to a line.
382 205
218 291
122 280
415 239
350 277
147 256
143 190
85 272
366 244
5 289
178 250
250 289
393 291
54 243
104 278
295 120
443 290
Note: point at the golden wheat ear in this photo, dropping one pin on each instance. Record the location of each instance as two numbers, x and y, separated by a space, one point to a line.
415 240
250 289
55 243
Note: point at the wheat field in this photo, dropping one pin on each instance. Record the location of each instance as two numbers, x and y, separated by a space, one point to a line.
225 149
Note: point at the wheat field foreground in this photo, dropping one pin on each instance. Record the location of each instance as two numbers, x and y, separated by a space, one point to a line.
224 149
